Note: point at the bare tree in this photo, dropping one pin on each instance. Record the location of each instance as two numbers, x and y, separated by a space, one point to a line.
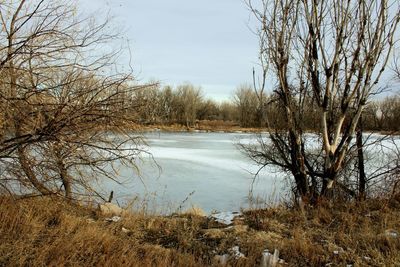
187 103
63 101
208 110
334 53
228 111
247 104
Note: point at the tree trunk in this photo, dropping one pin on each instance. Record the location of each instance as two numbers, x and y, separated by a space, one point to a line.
362 181
30 174
302 185
66 181
63 172
298 168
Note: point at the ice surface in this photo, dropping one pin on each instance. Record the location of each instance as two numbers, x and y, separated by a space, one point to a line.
207 170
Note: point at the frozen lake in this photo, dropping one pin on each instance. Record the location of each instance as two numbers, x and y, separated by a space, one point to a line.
201 169
207 170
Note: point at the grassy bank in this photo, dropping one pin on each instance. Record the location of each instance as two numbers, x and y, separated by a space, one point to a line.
46 232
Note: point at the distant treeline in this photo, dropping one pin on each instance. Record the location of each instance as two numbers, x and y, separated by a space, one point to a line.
186 105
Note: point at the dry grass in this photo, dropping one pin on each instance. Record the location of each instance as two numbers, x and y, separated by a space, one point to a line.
43 232
340 235
47 232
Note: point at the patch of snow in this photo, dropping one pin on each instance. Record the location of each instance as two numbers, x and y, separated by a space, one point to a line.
125 230
113 219
338 251
236 252
391 233
269 259
110 209
225 217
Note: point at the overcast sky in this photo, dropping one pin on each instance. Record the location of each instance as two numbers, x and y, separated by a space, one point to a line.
207 42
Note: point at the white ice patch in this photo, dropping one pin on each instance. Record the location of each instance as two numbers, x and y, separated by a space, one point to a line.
200 156
113 219
225 217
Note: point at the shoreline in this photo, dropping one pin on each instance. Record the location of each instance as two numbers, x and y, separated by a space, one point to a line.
180 128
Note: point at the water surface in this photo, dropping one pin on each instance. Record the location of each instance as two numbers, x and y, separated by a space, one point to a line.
202 169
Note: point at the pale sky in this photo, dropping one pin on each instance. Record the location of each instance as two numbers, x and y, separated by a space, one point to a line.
205 42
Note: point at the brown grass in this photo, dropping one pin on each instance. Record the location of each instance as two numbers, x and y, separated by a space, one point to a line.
48 232
334 234
45 232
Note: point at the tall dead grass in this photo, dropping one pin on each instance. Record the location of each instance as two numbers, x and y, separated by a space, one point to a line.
335 234
49 232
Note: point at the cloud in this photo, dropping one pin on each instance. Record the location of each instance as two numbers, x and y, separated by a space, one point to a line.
205 42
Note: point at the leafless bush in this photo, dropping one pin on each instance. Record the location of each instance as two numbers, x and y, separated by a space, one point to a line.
64 104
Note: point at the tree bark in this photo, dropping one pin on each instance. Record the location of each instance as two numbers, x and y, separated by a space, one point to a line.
362 181
63 172
30 174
